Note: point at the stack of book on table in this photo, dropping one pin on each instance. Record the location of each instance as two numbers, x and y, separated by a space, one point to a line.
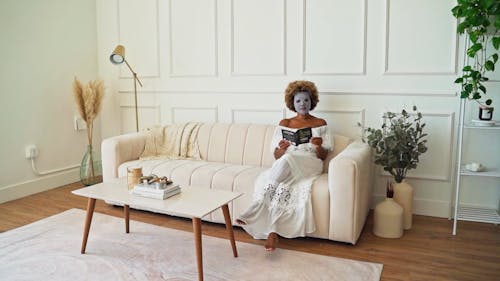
156 191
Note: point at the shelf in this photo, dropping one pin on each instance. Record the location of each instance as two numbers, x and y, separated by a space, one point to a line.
464 213
488 173
478 215
470 126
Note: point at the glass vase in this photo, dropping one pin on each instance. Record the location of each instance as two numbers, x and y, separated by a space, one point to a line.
90 169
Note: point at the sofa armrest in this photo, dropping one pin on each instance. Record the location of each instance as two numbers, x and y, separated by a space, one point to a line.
350 186
120 149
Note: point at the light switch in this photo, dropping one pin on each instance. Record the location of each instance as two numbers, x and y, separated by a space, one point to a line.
79 123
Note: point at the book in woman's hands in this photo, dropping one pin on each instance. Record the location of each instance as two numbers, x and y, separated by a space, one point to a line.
297 137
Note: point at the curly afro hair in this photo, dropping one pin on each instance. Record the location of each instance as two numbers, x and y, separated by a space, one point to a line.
301 86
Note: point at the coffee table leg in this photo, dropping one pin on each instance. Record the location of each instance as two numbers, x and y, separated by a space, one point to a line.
229 228
126 213
197 241
88 220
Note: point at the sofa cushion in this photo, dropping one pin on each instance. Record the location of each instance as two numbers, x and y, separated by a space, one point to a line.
242 144
248 144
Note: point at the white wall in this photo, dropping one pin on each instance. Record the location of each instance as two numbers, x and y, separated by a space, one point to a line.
44 45
230 61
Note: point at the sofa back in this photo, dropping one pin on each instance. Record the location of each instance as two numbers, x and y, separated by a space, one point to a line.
246 144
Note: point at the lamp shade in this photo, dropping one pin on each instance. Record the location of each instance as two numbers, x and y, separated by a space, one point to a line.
118 55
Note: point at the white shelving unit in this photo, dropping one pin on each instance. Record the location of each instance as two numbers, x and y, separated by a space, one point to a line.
465 213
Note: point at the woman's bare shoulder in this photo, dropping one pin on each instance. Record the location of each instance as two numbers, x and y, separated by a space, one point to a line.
318 122
284 122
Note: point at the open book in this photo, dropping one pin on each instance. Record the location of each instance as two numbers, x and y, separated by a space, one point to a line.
298 136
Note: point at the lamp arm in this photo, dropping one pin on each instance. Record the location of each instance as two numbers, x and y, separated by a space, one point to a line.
133 72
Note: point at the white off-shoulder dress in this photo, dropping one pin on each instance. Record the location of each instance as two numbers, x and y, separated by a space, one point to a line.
286 208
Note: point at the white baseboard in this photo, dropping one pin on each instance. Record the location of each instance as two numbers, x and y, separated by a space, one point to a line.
424 207
433 208
19 190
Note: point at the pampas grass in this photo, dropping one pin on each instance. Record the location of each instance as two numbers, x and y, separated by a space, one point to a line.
88 99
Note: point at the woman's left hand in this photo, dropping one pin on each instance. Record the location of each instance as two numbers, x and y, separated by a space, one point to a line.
320 151
317 141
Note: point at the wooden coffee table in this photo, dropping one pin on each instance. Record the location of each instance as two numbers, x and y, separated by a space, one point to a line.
192 202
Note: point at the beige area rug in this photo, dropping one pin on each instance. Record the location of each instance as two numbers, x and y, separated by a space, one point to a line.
49 249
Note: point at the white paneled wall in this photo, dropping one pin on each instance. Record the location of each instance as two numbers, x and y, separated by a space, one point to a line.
230 61
258 34
415 29
193 38
334 38
138 30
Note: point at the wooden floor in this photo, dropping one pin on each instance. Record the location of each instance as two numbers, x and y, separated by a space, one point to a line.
426 252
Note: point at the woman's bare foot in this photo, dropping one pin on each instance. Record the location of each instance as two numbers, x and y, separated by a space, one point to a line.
240 222
271 242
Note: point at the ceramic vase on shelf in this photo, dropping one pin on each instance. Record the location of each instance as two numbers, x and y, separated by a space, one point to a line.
485 113
388 218
90 169
403 195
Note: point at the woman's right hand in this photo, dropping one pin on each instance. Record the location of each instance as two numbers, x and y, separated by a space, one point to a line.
281 149
284 144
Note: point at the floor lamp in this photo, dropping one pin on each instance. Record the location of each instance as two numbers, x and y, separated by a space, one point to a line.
118 57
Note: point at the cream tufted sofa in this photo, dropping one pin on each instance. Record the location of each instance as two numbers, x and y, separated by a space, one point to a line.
232 157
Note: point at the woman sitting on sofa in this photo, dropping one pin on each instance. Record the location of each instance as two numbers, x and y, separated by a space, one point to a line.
282 196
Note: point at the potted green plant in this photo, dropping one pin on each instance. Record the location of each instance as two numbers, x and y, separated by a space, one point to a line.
480 22
397 147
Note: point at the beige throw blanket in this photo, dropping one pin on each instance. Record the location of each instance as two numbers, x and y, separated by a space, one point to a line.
176 141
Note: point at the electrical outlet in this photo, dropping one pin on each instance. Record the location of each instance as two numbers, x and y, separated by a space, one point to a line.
31 151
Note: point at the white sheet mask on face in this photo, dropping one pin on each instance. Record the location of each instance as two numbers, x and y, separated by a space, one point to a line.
302 103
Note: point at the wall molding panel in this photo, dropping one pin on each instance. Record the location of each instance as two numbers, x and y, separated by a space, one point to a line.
194 114
149 116
318 58
343 121
193 45
390 92
258 52
360 92
138 31
261 116
418 57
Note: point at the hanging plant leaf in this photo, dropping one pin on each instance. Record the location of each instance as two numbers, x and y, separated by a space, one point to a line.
496 41
479 20
482 88
467 68
471 52
489 65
